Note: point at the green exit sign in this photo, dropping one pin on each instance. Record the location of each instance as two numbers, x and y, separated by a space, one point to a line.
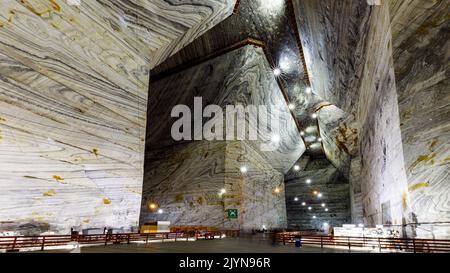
232 213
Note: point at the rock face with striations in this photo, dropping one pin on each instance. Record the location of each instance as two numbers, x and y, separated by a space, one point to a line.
73 95
185 178
420 38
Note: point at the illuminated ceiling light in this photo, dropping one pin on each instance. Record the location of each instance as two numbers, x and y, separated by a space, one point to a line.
275 138
223 191
152 206
263 226
319 195
308 90
360 225
319 139
277 72
277 190
160 211
314 115
296 168
309 208
296 199
325 224
302 133
291 106
243 169
303 204
315 192
314 217
323 205
326 209
308 181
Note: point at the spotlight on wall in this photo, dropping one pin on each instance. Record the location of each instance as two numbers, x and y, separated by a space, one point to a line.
308 181
243 169
152 206
314 115
291 106
277 72
308 90
275 138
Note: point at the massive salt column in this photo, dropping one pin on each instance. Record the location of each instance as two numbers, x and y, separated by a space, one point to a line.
185 178
420 33
348 53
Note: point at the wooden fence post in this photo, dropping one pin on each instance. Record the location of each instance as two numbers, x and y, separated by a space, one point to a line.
43 243
14 243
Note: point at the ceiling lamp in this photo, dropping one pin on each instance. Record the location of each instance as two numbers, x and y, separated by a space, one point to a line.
277 72
296 199
308 181
302 133
319 195
296 168
243 169
314 115
291 106
303 204
308 90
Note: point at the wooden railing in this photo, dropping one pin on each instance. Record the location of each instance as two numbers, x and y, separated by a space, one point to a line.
15 243
390 244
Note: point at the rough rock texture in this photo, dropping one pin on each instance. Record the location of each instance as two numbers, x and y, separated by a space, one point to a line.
420 33
73 95
189 192
326 179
